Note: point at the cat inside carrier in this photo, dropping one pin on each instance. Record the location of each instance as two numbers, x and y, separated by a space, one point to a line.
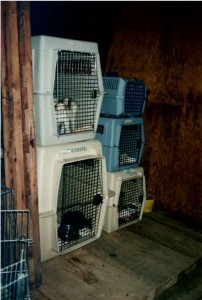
72 196
122 140
68 89
126 206
80 199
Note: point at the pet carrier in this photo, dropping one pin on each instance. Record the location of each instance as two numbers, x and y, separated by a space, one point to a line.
123 97
15 244
72 195
126 206
122 140
68 89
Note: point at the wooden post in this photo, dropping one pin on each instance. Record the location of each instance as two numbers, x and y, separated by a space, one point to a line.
31 191
11 104
18 120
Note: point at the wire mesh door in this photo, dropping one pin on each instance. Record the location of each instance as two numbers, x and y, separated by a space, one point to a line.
130 200
15 244
130 145
14 235
7 198
134 97
79 202
76 92
15 280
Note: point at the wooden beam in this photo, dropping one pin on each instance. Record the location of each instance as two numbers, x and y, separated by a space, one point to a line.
11 104
18 120
31 191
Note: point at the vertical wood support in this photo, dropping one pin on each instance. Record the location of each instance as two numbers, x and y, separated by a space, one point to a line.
11 103
31 192
18 120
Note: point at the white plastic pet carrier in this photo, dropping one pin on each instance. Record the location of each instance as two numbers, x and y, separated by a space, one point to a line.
126 206
72 195
123 96
68 89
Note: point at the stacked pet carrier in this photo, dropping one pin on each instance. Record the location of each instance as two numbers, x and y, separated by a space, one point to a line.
68 93
15 243
121 132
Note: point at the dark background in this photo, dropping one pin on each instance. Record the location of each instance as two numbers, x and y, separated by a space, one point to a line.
79 20
96 21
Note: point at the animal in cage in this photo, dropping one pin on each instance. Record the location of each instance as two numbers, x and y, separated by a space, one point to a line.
68 89
65 111
82 202
71 212
127 204
72 225
129 208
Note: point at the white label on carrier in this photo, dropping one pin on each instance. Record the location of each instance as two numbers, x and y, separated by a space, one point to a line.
128 121
73 150
129 172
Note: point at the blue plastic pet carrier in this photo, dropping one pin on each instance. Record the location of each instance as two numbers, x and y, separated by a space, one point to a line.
122 141
123 96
